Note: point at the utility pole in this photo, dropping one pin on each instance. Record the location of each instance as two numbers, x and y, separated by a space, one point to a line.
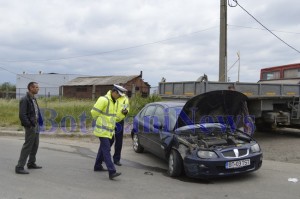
223 42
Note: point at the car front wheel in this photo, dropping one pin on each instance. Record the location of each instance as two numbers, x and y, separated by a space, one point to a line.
175 164
136 144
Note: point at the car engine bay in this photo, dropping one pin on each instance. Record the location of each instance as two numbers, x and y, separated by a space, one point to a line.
214 139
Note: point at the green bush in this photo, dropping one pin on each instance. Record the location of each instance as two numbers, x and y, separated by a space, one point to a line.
137 103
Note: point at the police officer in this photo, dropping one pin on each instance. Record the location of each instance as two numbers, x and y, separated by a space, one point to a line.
122 111
104 112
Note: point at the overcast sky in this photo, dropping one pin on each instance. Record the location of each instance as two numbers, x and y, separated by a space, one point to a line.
175 39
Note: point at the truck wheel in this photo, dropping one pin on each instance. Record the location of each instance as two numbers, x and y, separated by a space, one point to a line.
175 164
263 126
136 144
266 127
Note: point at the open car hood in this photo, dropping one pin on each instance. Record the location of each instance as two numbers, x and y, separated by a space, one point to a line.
209 105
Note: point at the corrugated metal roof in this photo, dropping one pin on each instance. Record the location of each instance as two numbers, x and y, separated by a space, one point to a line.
100 80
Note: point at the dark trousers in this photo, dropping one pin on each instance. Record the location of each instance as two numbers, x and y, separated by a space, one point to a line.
104 155
118 139
30 146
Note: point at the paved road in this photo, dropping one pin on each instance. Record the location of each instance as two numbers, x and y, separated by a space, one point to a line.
67 173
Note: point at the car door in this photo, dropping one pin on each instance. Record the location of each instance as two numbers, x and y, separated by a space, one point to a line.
144 126
156 126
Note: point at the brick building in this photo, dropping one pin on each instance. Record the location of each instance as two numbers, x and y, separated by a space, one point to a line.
95 86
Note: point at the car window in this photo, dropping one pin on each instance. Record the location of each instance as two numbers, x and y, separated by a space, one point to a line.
159 113
173 114
142 113
149 111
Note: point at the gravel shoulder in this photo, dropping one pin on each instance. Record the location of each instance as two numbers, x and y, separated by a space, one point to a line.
281 145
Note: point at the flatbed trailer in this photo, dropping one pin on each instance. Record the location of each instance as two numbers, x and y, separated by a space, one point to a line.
272 104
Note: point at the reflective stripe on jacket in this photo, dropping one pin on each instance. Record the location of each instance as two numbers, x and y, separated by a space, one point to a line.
104 112
123 103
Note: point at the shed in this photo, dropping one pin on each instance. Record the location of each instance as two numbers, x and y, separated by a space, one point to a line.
94 86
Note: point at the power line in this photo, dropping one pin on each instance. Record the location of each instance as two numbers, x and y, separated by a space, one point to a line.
262 29
111 51
265 27
233 64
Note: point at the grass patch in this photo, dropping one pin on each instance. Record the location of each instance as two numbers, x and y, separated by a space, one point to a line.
9 114
66 114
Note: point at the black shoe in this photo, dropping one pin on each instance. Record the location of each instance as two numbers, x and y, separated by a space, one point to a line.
101 168
33 166
112 176
21 170
118 163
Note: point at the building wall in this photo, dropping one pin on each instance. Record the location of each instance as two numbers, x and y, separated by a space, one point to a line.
49 83
85 92
101 90
80 92
136 85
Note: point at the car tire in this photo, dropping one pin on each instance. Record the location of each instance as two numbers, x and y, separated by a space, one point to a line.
175 164
136 144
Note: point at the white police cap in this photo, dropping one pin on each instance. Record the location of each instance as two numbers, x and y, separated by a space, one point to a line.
120 89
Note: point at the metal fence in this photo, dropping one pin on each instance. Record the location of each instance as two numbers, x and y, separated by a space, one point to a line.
7 94
48 92
43 92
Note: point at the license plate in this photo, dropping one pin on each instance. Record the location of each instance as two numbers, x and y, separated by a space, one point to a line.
237 164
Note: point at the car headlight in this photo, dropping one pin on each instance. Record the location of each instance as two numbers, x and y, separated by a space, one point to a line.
206 154
255 148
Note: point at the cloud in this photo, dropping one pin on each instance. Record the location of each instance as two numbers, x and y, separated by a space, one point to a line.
178 40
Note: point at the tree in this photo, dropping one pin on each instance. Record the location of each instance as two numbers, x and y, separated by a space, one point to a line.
6 86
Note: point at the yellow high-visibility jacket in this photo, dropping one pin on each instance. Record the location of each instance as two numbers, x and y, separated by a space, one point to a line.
104 112
123 103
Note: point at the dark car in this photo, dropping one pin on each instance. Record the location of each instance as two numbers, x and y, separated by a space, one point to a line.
202 137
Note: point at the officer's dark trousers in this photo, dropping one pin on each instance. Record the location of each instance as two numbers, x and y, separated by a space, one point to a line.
30 146
104 155
118 138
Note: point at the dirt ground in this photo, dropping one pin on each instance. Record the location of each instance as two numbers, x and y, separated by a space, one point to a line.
280 145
